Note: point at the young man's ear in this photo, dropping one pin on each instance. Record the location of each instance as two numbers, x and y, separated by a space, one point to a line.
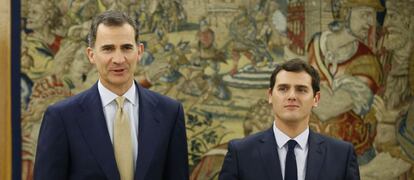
316 99
90 54
269 95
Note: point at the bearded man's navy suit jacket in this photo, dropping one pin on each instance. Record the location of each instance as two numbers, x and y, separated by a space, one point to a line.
74 142
256 158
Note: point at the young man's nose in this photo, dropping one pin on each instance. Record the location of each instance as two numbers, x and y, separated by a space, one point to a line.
291 95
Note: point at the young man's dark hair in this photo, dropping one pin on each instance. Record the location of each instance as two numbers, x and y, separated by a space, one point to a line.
297 65
111 18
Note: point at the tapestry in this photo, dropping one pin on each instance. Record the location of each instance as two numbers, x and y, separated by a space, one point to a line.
216 57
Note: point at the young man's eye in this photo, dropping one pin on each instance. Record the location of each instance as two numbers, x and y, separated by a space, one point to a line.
303 90
282 89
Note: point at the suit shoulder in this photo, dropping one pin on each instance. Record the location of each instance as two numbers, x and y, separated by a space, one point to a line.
69 102
336 143
248 141
161 98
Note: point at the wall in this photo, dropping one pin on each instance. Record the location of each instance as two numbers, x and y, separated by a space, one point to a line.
216 59
5 103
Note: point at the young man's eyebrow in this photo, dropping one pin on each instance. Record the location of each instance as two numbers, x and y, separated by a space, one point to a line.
296 86
283 85
301 86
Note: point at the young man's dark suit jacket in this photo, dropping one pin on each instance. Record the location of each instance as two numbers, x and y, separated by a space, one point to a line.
256 158
74 142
